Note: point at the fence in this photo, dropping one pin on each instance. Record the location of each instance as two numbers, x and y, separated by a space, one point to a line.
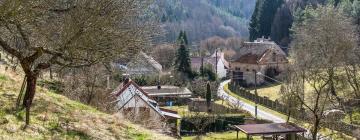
279 107
265 101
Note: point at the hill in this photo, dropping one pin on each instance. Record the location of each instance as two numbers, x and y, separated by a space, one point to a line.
202 19
56 117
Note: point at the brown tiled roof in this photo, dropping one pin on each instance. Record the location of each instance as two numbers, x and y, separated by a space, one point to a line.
270 128
248 58
252 52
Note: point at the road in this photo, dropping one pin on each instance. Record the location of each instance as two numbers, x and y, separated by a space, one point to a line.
248 107
251 108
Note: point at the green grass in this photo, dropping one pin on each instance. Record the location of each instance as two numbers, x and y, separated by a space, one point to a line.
272 92
54 116
230 135
323 131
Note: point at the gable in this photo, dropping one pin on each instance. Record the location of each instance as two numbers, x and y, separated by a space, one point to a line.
258 52
130 92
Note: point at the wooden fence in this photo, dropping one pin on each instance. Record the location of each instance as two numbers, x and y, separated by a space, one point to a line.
279 107
265 101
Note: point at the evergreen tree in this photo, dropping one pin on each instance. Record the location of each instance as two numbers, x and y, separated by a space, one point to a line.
182 62
263 17
185 38
254 28
208 96
180 37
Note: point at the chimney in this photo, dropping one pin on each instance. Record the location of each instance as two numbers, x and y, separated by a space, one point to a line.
158 86
126 81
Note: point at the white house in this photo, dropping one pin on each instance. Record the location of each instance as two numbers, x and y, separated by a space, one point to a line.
135 104
218 63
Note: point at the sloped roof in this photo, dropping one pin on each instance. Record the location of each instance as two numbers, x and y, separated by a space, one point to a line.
270 128
137 91
196 61
253 52
166 90
152 61
144 64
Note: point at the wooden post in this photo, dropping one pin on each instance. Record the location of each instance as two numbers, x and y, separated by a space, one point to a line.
247 137
237 134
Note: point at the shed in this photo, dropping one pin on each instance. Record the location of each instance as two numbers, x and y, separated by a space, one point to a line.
274 129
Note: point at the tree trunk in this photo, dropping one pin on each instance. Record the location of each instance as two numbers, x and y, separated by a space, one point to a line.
316 128
29 95
51 74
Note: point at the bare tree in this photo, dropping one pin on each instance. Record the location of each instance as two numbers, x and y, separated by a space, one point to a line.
321 43
42 33
165 54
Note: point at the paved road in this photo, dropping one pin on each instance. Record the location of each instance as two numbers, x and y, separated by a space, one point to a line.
248 107
251 108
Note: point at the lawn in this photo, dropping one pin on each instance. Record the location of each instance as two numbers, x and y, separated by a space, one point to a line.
323 131
271 91
230 135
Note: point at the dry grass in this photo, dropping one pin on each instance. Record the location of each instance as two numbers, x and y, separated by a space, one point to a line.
56 117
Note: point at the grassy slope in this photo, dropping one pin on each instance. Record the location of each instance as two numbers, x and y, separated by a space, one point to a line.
323 131
56 117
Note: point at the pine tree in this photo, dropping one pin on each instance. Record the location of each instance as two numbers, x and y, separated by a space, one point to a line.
263 17
208 97
185 38
254 25
182 62
180 38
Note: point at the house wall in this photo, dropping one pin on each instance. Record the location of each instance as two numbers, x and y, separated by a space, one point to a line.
221 71
139 111
279 63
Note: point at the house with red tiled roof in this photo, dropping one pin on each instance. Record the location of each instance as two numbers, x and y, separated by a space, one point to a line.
133 103
262 57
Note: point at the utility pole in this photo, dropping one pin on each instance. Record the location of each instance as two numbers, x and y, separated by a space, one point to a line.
216 59
256 101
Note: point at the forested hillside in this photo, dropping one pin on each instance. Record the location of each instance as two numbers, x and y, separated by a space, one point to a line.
274 19
202 19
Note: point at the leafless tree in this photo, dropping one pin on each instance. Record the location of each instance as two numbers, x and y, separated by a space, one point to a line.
165 54
321 44
42 33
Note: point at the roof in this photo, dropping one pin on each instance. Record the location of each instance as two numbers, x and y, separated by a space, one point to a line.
253 52
196 61
170 113
143 64
270 128
152 61
166 90
138 91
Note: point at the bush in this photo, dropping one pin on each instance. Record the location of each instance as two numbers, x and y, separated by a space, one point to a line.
53 85
220 124
198 87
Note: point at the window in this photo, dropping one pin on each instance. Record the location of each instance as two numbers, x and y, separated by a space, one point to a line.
247 69
237 68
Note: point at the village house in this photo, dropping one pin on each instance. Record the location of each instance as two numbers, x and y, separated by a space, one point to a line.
261 57
168 95
134 103
141 64
217 62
